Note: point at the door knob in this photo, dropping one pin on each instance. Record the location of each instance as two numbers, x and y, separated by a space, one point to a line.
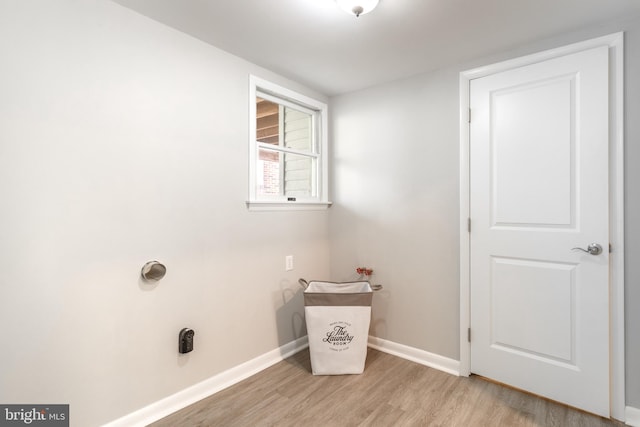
593 249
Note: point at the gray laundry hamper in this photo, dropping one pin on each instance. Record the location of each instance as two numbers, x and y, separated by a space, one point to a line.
337 317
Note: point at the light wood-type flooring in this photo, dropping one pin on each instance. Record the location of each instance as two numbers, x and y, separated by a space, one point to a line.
391 392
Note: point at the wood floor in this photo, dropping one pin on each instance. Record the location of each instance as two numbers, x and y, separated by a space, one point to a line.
391 392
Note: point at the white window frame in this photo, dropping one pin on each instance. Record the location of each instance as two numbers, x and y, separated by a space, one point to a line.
319 111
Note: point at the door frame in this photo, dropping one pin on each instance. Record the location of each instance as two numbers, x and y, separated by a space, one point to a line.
615 42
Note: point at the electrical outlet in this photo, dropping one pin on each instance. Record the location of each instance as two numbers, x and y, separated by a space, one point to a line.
288 262
185 340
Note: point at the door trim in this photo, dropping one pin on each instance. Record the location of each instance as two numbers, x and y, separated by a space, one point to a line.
615 42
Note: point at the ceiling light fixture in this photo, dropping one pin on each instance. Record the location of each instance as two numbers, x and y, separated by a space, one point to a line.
357 7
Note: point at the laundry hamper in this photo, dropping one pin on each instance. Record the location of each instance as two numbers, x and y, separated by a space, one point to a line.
338 317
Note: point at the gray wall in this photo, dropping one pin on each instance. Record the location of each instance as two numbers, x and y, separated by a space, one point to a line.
123 141
395 189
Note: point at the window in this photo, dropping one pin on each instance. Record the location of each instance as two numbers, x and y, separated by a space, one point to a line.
288 144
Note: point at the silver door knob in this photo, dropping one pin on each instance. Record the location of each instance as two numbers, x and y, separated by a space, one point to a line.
593 249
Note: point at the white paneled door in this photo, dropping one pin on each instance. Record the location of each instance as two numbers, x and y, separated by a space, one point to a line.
539 189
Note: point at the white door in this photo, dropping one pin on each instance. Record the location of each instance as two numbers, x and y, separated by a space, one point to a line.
538 188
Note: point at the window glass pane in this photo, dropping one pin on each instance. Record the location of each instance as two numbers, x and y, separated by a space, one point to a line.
268 173
281 125
284 173
298 175
267 121
297 130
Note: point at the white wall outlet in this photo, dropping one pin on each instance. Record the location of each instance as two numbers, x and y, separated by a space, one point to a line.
288 262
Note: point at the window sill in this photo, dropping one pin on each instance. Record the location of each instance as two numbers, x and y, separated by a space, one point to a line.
287 206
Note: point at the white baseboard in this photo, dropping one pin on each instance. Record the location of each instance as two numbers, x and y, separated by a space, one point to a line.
206 388
422 357
632 416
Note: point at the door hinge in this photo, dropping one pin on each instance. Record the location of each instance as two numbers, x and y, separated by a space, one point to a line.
469 334
469 116
610 248
469 225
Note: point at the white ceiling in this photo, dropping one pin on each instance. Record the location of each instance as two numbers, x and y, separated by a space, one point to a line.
317 44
